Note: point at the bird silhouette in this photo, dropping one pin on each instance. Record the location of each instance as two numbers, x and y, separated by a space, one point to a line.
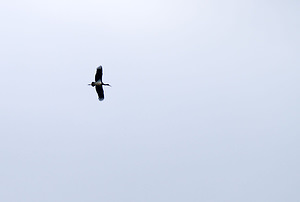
98 83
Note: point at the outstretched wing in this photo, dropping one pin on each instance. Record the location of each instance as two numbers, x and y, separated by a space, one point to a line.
100 92
99 73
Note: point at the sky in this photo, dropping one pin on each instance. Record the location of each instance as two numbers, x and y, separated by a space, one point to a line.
204 103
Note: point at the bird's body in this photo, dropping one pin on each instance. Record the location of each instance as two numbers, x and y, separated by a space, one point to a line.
98 83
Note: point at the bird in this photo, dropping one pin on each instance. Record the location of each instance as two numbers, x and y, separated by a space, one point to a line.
98 83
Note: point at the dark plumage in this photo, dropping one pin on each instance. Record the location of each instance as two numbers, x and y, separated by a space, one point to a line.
98 83
99 73
100 92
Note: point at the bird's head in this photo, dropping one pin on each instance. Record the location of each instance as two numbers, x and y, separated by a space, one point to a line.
106 84
92 84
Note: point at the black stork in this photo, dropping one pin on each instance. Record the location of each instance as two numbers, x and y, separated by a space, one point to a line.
98 83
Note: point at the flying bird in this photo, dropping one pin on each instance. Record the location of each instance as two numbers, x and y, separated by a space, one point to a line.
98 83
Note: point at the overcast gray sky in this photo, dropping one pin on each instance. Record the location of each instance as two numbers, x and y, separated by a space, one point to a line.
204 104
